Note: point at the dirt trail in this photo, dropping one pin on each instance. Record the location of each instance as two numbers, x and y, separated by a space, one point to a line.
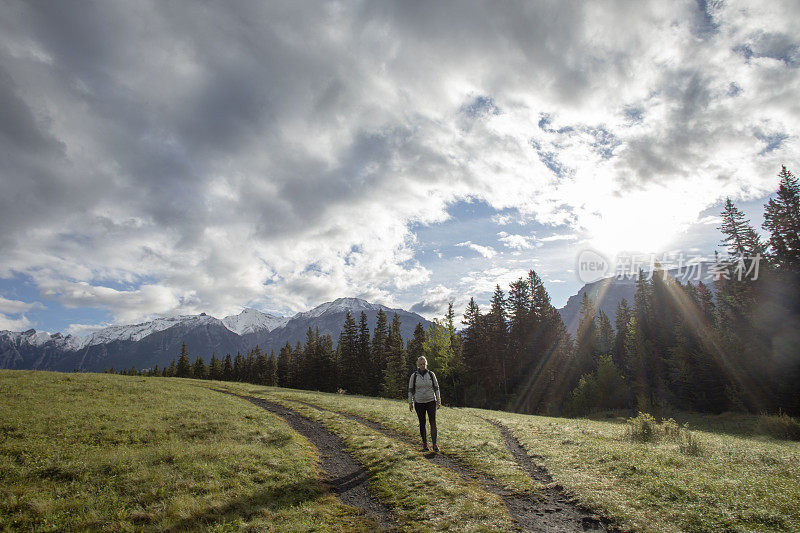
567 513
556 513
347 478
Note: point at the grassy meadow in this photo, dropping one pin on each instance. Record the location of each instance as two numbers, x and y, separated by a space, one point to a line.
729 479
120 453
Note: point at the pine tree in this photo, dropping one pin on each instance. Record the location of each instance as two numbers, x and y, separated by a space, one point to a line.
439 353
449 322
782 220
199 369
250 369
498 341
215 368
363 357
475 352
681 369
457 366
612 390
545 367
309 362
519 326
239 372
184 368
394 377
664 313
621 325
227 369
540 300
696 377
284 362
260 374
171 370
380 336
605 333
298 381
586 339
636 346
602 389
350 368
326 356
742 342
740 239
415 348
271 373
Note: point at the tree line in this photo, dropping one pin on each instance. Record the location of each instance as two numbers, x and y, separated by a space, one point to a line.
732 346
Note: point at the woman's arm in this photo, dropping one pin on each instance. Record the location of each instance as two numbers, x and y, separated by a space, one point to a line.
410 393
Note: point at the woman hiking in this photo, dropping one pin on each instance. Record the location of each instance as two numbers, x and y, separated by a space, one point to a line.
423 395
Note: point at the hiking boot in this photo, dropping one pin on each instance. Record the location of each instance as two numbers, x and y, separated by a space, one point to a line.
425 447
436 448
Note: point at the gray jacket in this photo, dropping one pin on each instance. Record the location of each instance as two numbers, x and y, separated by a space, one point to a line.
425 390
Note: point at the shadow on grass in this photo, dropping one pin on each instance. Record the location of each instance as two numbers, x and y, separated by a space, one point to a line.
246 507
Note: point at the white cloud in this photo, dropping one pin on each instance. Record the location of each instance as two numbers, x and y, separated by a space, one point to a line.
147 300
435 301
280 154
14 307
486 251
478 283
710 219
14 324
502 220
551 238
516 242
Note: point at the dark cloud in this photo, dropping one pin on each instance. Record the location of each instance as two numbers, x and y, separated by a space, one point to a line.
704 25
427 308
779 46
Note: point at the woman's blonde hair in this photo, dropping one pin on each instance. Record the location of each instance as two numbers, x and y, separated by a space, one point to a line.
422 358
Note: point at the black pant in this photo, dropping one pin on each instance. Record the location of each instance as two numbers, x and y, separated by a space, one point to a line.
430 408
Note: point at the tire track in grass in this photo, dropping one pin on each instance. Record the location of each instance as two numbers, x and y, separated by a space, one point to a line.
557 502
552 511
347 478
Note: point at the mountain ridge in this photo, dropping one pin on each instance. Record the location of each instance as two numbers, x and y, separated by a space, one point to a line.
157 342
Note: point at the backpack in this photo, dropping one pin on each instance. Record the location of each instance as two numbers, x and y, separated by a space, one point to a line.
414 384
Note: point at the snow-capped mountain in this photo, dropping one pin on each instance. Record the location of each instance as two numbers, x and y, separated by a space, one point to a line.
159 341
37 339
252 321
137 332
343 305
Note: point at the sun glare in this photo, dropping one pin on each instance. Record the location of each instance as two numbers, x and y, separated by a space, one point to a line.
644 222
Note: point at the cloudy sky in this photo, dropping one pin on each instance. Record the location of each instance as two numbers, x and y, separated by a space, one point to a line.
162 158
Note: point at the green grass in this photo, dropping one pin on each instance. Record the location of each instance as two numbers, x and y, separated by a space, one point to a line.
734 483
117 453
720 475
423 495
474 442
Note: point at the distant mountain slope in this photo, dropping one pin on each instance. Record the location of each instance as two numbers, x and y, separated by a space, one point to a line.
159 341
253 321
607 293
329 318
